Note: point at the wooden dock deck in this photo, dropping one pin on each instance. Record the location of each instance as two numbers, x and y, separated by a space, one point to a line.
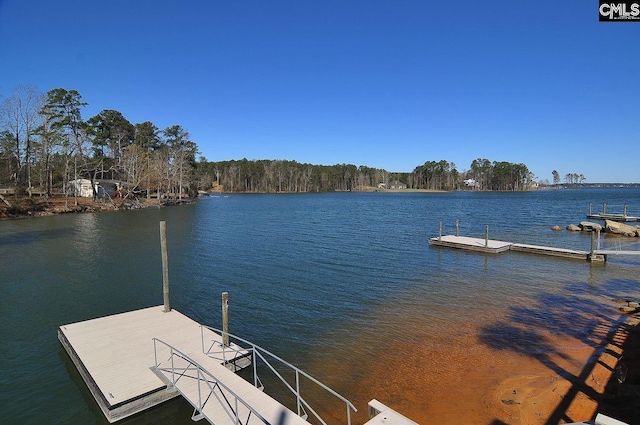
548 250
495 247
604 215
614 217
114 355
472 244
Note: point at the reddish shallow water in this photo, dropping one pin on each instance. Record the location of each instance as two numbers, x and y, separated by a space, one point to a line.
461 376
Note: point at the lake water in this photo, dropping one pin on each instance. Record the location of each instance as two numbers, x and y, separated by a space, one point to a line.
344 285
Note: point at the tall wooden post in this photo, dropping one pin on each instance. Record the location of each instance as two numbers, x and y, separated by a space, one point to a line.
225 319
624 213
604 208
486 236
440 236
590 208
165 265
457 227
593 245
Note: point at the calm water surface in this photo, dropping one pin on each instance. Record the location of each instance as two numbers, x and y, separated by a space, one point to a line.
343 285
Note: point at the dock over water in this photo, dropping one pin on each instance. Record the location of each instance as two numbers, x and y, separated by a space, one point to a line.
472 244
495 247
604 215
136 360
114 355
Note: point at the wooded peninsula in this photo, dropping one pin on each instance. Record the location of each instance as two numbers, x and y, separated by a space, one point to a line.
48 148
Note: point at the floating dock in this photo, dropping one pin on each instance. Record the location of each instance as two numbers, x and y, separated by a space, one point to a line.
552 251
114 355
604 215
495 247
613 217
133 361
471 244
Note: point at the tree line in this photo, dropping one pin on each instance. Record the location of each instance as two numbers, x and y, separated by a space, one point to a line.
290 176
46 146
569 178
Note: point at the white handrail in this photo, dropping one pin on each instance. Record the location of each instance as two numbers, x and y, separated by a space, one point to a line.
233 414
261 352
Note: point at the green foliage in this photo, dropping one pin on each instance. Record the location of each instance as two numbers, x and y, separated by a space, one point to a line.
556 177
146 136
145 158
111 130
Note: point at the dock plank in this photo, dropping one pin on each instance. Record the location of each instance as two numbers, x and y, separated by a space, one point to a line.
469 243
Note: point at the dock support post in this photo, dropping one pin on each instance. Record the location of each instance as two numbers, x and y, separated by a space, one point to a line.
486 236
592 257
165 265
457 227
604 208
598 234
225 319
440 235
590 208
625 211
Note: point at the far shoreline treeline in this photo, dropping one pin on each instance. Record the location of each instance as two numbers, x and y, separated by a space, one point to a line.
47 147
274 176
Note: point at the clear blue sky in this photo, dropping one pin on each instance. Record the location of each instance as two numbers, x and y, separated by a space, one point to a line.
387 84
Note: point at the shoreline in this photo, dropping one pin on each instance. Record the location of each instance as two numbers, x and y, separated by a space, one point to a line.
33 207
25 207
38 206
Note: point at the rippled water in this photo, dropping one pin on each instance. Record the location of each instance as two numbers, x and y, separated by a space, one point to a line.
344 285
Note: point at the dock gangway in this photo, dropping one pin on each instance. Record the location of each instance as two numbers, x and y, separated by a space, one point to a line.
221 396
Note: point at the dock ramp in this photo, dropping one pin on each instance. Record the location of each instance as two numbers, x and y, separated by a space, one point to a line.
217 394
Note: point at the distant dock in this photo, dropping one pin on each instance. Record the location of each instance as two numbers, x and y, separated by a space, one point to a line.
471 244
494 247
552 251
604 215
613 217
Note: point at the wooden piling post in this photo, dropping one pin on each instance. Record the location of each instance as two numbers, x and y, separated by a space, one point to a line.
604 208
440 235
225 319
590 208
625 211
593 257
165 265
457 227
486 236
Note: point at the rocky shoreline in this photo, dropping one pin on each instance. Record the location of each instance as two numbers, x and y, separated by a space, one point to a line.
610 226
42 207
